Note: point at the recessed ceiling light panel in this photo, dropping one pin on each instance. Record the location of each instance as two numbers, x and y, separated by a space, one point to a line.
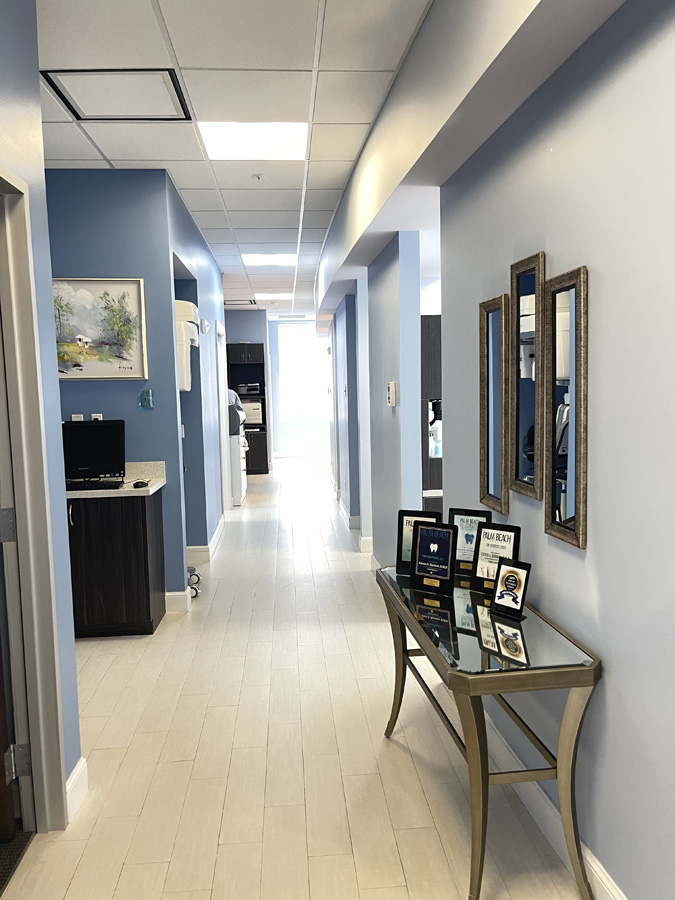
255 140
253 260
272 296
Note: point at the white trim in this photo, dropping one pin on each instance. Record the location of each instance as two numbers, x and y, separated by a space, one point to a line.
216 536
178 601
353 522
546 815
365 544
77 787
199 554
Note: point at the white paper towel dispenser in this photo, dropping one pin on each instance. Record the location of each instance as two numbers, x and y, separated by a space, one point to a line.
187 335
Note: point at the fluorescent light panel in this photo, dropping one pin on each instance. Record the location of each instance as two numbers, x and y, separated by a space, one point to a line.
279 296
251 260
255 140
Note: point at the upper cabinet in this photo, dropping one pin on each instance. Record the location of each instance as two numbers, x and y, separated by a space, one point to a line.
245 353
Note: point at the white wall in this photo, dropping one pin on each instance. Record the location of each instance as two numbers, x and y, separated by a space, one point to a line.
584 171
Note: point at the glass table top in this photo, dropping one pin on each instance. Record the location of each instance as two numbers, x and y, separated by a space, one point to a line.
472 639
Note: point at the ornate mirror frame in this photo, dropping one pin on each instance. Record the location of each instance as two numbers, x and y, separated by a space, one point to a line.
498 502
577 279
537 264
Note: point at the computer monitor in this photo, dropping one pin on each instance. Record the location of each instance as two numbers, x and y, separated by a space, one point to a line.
94 449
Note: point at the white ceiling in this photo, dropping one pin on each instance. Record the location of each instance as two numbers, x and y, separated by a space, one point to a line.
326 62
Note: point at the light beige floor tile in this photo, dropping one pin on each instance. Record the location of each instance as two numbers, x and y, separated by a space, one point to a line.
318 730
396 893
258 664
327 827
312 669
144 882
406 801
227 681
351 729
425 866
236 639
252 717
99 868
200 676
122 724
261 624
374 846
426 748
188 895
333 878
168 629
130 787
285 649
238 871
333 637
102 768
215 743
285 697
284 859
194 856
285 785
105 697
309 629
150 665
45 871
186 727
155 834
161 706
242 821
90 730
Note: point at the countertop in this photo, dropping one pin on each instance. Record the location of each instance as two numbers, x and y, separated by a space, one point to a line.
152 472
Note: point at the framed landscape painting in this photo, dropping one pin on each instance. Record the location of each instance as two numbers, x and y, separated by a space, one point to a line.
100 328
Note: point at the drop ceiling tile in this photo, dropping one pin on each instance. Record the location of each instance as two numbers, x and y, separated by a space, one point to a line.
337 141
201 200
269 248
224 250
76 164
231 96
52 111
146 140
185 173
227 269
313 236
328 174
262 200
307 260
265 219
274 174
65 141
119 95
266 235
81 34
304 276
243 34
218 235
317 219
211 219
380 40
307 268
352 97
322 199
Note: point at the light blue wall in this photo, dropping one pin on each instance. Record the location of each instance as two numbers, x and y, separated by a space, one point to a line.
346 403
21 153
114 224
584 171
394 342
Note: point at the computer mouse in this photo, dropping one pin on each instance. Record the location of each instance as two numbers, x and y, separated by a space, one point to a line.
141 484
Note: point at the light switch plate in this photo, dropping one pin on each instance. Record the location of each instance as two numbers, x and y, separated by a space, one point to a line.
392 393
77 417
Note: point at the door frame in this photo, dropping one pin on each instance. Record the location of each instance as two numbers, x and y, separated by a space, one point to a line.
223 404
33 647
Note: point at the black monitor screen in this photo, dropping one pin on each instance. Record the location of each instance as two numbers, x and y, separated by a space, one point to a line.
94 449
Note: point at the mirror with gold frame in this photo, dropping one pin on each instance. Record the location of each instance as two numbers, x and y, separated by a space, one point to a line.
494 403
526 408
566 335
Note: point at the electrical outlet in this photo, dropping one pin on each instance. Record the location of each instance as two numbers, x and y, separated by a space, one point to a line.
96 417
77 417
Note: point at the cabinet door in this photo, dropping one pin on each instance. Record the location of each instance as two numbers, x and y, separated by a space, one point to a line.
236 353
254 353
256 458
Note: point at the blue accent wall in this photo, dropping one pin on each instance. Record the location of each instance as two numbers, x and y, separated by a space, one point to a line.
346 404
21 153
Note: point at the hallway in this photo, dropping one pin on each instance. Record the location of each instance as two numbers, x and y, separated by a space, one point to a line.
238 753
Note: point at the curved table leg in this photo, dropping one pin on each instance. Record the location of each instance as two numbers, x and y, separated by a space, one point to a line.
400 646
472 717
568 740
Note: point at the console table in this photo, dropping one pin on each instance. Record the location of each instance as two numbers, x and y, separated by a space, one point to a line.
470 673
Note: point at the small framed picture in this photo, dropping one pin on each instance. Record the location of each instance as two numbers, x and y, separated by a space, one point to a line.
510 587
406 520
487 638
433 557
463 610
511 640
492 543
467 522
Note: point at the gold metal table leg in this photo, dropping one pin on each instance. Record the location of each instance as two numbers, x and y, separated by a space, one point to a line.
472 717
400 646
568 740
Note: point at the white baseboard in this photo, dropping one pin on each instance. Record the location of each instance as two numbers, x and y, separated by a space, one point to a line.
178 601
546 815
202 553
353 522
365 544
77 786
216 536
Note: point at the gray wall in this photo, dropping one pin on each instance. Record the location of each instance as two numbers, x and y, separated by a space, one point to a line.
346 404
394 344
584 170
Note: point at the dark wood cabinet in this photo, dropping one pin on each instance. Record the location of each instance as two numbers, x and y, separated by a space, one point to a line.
246 365
245 353
256 455
117 564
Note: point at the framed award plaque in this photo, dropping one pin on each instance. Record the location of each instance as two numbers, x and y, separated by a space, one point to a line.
439 625
510 640
467 522
433 557
487 638
406 520
510 587
492 543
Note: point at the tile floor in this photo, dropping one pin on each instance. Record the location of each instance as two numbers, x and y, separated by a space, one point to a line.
237 753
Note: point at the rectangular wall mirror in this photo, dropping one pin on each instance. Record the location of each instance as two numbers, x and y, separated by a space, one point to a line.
494 403
566 316
527 369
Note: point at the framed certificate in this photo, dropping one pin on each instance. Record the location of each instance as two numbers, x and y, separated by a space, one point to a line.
406 520
467 522
487 638
433 557
511 641
492 543
510 587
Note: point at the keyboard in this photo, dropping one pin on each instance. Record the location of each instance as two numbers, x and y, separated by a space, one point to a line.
108 485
